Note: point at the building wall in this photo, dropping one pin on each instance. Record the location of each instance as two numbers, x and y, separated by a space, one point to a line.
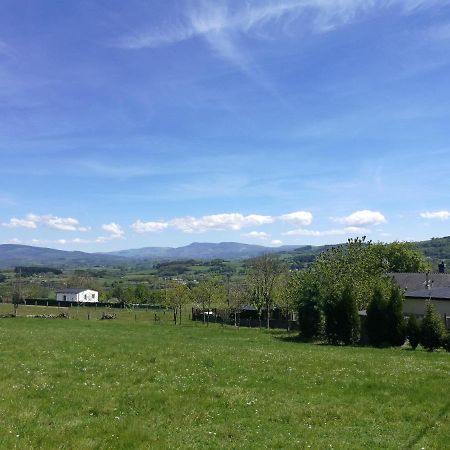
418 305
87 296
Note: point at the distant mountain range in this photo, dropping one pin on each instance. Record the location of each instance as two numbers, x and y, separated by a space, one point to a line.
12 255
203 250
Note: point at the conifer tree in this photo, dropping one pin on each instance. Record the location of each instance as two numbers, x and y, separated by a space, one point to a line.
376 323
395 320
432 329
341 318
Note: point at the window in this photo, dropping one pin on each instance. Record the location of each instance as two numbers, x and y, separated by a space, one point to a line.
85 296
93 296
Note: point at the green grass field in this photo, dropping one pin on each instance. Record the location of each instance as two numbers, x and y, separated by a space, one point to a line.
79 384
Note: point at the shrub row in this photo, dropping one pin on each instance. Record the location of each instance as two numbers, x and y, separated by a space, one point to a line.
337 320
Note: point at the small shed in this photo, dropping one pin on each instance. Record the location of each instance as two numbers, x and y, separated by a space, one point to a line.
77 295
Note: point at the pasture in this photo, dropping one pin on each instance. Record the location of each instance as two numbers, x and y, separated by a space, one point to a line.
136 383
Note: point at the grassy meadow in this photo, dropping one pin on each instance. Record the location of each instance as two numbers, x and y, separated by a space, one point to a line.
136 383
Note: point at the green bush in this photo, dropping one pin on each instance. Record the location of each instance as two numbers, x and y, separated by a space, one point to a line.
310 318
432 329
413 331
446 341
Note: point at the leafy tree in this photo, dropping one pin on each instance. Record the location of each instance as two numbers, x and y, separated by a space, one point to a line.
238 297
124 293
207 293
353 264
413 331
342 323
118 292
432 329
283 297
82 279
394 316
141 293
362 264
177 295
264 271
401 257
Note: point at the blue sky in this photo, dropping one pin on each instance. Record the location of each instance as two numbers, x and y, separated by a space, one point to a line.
159 123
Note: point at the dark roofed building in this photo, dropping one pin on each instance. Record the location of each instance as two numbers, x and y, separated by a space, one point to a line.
418 281
420 287
442 293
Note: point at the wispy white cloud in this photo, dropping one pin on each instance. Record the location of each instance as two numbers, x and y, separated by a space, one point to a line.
256 235
74 241
14 241
220 20
32 221
219 222
439 32
115 232
5 49
276 242
224 25
57 242
332 232
299 218
6 200
361 218
20 223
148 227
440 215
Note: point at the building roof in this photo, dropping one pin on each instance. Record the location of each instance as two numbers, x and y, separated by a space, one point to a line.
419 281
442 293
72 290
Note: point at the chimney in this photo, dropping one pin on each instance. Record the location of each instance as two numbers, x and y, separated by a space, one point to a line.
442 267
427 280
